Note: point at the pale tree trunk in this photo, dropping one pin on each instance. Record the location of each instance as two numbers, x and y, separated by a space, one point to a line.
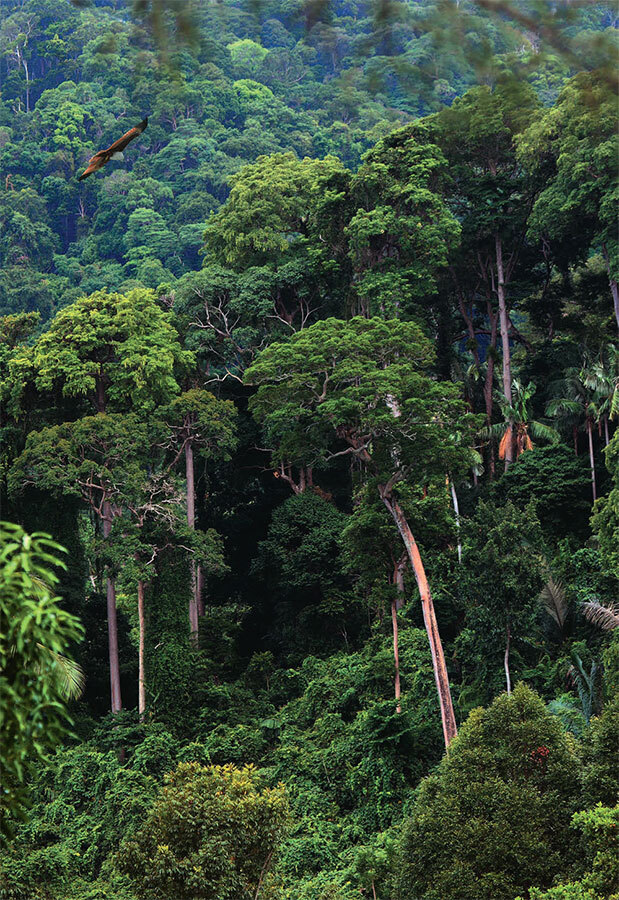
591 459
396 655
396 604
489 381
606 435
506 661
112 624
25 65
141 671
191 521
429 617
454 500
504 323
614 288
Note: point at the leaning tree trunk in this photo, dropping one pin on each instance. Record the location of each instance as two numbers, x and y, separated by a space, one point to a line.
508 679
141 670
112 624
191 521
441 677
507 364
591 458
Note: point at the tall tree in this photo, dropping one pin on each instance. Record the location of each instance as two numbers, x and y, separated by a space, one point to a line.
362 389
100 460
118 352
197 422
401 229
492 198
575 145
572 397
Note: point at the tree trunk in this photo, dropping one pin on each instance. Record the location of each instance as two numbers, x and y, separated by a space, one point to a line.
396 655
454 498
191 521
429 617
25 65
504 322
614 289
191 491
506 662
396 604
606 435
489 381
112 624
200 581
591 458
141 673
100 399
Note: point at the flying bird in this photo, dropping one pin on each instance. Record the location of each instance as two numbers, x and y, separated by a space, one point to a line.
114 152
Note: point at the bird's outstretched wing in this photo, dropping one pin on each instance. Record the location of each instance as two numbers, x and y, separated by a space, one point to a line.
119 145
97 161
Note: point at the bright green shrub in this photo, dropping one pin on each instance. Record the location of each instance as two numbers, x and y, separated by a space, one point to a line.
212 835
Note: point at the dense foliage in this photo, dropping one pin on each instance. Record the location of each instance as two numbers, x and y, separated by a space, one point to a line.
319 388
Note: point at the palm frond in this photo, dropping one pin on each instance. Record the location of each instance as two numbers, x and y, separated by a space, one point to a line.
604 616
555 603
562 405
545 432
492 431
71 678
583 682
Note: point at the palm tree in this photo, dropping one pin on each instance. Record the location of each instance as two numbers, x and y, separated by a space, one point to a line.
606 617
602 377
573 401
517 426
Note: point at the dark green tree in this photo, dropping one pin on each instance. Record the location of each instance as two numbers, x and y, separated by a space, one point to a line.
507 788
